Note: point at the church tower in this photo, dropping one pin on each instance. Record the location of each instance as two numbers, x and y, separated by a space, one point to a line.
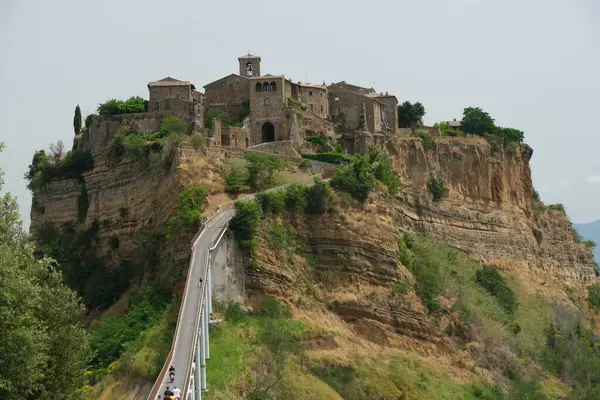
249 65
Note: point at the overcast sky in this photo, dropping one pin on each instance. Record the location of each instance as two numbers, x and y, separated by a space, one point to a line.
533 65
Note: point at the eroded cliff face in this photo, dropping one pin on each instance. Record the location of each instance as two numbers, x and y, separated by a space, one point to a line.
125 198
486 208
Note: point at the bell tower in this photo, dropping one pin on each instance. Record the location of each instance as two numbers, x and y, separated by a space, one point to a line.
249 65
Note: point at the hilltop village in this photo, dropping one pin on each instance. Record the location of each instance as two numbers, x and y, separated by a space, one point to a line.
249 108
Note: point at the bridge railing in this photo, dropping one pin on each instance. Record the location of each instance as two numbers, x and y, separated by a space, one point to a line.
163 372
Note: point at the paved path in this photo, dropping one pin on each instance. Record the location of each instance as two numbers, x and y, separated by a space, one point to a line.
183 350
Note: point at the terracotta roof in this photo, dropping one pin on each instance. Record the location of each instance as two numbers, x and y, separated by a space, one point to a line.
248 56
225 77
168 81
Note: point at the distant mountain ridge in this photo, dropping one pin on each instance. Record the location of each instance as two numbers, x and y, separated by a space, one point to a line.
590 231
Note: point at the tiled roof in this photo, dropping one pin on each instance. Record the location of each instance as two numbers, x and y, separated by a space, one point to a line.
249 56
168 81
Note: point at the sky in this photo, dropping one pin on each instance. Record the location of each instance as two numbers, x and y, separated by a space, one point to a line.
533 65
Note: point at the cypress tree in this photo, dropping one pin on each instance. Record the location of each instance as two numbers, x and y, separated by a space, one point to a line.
77 120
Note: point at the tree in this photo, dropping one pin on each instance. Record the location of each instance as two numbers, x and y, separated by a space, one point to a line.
244 223
77 120
57 150
410 115
261 169
43 349
477 122
356 178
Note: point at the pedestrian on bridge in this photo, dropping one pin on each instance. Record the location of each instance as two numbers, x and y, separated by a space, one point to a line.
177 393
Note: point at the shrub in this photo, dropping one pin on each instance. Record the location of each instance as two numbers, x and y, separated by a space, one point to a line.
236 180
271 308
295 197
535 195
172 125
329 157
170 148
405 255
594 295
382 168
436 187
280 236
401 287
316 140
244 223
191 205
426 270
425 139
83 203
317 198
198 141
273 202
356 178
305 164
114 242
89 119
494 283
235 313
44 169
134 104
557 207
261 170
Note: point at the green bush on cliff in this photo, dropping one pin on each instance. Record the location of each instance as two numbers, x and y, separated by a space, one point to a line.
318 196
133 104
491 280
594 295
244 223
331 157
44 168
436 187
192 201
356 178
261 170
271 202
236 181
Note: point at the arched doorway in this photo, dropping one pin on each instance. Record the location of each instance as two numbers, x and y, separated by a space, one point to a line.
268 132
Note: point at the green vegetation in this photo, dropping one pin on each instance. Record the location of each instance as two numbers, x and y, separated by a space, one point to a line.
490 279
358 178
133 104
191 205
261 170
271 202
216 113
140 147
244 223
401 287
259 173
557 207
316 140
362 121
478 122
236 181
410 115
43 347
318 197
295 197
329 157
88 120
83 203
571 352
113 335
594 295
269 341
425 139
45 168
579 240
436 187
77 120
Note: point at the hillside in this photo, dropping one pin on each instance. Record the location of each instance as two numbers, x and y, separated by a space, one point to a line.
590 231
423 270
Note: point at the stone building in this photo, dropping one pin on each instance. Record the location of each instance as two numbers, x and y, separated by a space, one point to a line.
347 102
267 97
162 92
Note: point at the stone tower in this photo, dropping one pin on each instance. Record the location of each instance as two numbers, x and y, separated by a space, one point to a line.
249 65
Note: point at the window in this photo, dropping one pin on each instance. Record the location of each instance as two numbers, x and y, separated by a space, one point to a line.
266 87
310 93
311 107
170 91
321 94
258 87
273 87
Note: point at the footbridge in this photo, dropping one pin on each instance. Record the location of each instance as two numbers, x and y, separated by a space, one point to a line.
190 349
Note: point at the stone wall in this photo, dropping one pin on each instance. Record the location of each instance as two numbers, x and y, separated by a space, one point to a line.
267 106
315 98
160 93
227 272
391 111
228 94
103 128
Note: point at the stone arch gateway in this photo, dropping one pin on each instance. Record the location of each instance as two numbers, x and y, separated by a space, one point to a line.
268 132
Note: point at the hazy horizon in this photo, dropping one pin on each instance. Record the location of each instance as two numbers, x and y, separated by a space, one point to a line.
533 66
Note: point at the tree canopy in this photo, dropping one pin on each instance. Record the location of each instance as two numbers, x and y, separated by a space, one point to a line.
410 115
43 349
77 120
477 121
